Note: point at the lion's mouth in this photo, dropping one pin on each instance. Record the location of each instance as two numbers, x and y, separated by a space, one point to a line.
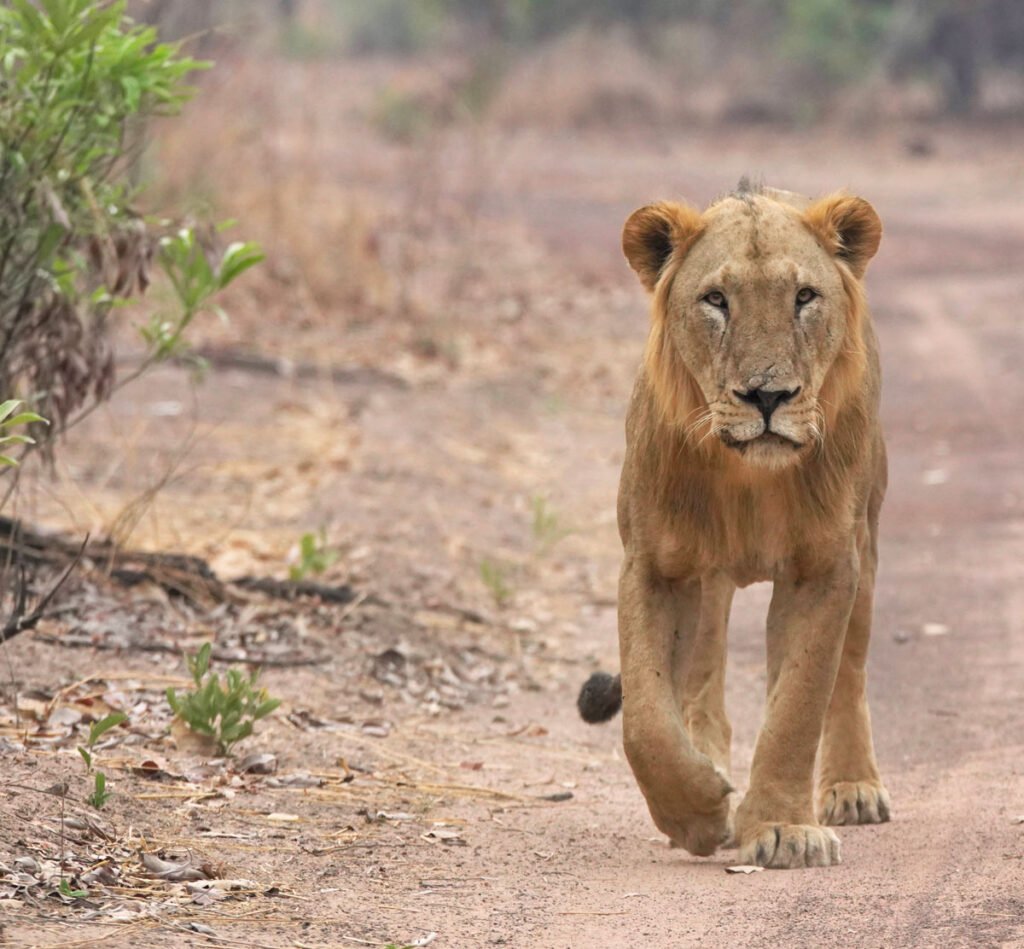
766 439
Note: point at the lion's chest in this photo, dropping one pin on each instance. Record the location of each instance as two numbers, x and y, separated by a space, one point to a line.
743 531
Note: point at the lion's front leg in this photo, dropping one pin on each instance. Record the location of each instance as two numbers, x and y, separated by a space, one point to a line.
850 789
776 825
687 796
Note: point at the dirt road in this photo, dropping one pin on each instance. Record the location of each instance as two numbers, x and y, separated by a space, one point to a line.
514 462
948 653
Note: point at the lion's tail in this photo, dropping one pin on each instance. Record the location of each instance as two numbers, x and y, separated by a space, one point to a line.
600 698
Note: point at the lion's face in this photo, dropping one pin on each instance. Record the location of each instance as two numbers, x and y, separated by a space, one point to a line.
757 311
751 303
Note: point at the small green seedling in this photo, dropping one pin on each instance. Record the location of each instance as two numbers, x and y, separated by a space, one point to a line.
65 890
314 556
495 578
547 531
100 795
224 710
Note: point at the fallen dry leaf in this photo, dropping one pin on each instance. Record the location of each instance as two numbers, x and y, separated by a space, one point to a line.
558 796
296 781
63 717
452 838
178 872
155 769
258 764
32 705
744 868
104 874
528 731
205 892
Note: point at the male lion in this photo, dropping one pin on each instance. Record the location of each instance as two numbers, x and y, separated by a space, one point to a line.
754 452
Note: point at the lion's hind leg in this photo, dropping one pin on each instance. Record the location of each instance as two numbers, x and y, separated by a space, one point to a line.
700 673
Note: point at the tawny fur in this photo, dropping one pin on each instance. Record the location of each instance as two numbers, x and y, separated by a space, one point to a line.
710 500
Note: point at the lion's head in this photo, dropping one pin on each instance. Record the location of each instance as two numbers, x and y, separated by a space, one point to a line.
757 321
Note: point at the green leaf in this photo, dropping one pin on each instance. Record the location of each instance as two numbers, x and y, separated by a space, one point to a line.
25 418
265 708
99 796
201 663
237 259
98 729
65 890
6 408
49 242
86 757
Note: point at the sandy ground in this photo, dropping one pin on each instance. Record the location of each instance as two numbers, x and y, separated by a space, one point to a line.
448 827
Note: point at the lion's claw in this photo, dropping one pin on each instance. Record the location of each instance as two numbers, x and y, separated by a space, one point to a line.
854 802
791 846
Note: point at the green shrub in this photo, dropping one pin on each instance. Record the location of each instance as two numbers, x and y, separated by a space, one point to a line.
836 39
224 710
78 81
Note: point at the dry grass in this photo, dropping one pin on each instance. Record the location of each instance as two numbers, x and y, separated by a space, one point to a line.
384 249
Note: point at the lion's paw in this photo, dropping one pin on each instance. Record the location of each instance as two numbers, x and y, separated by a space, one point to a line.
790 846
694 812
699 825
700 834
854 802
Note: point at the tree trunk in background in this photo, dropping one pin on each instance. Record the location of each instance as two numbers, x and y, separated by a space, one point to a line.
177 19
957 41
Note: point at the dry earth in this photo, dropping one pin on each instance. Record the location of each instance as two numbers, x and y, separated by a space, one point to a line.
432 777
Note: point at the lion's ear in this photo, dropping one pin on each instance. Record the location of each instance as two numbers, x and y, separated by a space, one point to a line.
654 233
848 227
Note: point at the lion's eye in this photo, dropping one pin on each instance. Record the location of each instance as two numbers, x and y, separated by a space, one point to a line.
804 296
717 299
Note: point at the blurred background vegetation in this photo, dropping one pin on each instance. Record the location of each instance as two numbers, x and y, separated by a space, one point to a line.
380 130
967 51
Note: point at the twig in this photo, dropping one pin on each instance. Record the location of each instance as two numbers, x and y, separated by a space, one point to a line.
223 358
221 940
182 574
18 621
290 589
220 655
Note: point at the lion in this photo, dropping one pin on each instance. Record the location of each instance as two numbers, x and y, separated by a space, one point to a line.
754 452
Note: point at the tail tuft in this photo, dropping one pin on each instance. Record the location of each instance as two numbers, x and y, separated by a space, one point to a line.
600 698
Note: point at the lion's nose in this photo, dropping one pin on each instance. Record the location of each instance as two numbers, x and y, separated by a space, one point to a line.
767 400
